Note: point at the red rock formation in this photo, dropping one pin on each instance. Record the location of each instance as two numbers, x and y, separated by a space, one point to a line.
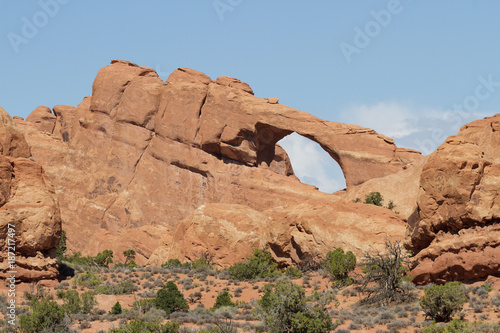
456 233
141 154
293 234
28 203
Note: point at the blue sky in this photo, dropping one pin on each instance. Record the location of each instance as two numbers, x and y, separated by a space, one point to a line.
413 70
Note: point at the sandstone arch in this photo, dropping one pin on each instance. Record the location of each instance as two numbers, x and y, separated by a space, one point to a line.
140 154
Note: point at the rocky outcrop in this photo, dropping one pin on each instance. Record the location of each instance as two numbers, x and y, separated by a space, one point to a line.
309 230
227 231
27 202
292 234
142 154
401 188
455 232
43 119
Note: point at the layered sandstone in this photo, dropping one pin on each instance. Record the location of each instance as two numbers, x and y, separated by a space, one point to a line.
28 207
455 232
292 234
140 155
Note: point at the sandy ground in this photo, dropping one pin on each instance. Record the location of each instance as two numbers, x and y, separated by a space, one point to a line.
211 286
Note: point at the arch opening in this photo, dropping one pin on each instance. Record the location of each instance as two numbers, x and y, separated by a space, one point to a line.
312 164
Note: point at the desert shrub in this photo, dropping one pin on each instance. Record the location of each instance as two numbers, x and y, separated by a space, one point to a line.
139 326
116 309
116 289
85 324
61 246
488 286
293 272
75 303
440 302
154 315
374 198
223 299
386 271
143 305
201 264
45 316
258 265
129 256
495 300
455 325
88 302
87 279
339 264
284 308
481 291
170 299
78 259
104 258
397 324
71 301
171 263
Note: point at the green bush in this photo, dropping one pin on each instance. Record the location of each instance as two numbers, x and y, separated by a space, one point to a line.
45 316
116 289
440 302
200 264
104 258
293 272
75 303
144 305
88 302
223 299
61 246
258 265
284 308
72 303
339 264
139 326
171 263
170 299
116 309
78 259
374 198
129 256
460 326
87 279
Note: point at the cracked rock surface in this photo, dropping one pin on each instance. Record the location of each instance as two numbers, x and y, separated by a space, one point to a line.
140 155
455 230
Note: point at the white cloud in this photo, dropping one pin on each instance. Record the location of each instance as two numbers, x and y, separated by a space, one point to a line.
411 127
388 118
311 164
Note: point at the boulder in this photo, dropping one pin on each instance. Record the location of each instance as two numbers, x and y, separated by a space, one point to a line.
43 119
28 206
455 231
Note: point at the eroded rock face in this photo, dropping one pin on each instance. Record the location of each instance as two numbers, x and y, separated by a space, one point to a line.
142 154
401 188
292 234
456 231
28 203
230 232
